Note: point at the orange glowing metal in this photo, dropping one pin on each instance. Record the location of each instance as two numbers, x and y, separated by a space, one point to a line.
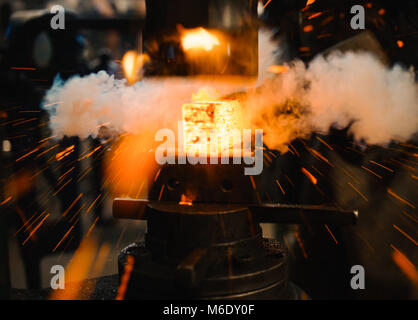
206 120
400 43
199 38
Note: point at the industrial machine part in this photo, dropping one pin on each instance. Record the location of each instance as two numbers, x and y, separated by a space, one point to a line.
211 247
232 24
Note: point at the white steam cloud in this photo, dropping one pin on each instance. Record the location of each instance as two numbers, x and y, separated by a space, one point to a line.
82 104
382 102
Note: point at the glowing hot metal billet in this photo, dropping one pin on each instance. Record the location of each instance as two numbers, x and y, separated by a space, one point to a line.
206 120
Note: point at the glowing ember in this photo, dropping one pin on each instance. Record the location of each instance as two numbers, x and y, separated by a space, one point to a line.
206 120
61 155
308 28
199 38
309 175
186 200
132 63
277 69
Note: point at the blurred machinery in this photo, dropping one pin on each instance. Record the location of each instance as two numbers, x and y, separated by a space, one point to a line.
232 23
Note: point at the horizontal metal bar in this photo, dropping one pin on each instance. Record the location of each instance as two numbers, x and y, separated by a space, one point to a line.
130 208
265 213
299 214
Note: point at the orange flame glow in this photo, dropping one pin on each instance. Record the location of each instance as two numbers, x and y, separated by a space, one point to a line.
128 164
199 38
186 200
132 62
277 69
77 271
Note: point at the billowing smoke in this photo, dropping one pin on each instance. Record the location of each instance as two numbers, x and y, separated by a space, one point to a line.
82 104
381 102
